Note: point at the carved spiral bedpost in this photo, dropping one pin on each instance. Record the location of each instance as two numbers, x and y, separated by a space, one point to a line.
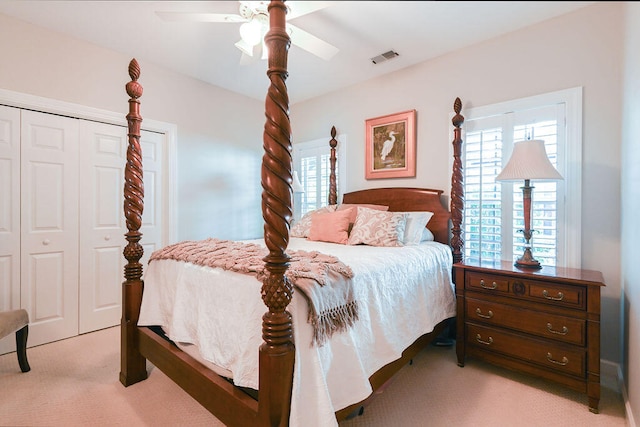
333 187
132 364
277 352
457 185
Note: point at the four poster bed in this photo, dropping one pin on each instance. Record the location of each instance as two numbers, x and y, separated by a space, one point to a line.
350 337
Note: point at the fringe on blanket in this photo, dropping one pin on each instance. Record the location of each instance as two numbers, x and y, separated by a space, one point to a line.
329 322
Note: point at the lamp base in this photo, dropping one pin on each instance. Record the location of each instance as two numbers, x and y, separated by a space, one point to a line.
527 260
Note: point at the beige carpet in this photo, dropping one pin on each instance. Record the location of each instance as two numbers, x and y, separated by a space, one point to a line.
74 382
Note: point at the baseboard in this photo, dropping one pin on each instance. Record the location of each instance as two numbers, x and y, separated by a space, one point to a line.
625 398
610 375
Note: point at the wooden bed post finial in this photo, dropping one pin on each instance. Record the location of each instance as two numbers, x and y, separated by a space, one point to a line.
132 364
457 185
277 353
333 187
133 186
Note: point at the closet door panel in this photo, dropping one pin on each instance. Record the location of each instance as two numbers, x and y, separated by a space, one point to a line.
49 225
9 215
9 208
102 227
153 160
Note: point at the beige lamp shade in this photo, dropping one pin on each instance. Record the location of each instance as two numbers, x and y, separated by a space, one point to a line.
529 161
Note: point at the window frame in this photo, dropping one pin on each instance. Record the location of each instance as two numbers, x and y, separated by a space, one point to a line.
322 145
569 163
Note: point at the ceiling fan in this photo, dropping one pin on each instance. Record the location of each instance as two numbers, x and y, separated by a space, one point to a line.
255 19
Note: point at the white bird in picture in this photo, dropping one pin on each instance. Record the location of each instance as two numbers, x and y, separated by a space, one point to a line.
387 146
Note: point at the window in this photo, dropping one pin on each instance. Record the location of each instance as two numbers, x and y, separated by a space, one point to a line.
493 212
312 162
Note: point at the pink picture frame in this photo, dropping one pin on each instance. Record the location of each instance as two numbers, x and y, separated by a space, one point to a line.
390 150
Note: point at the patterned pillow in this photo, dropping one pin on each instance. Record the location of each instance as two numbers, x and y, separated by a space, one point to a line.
355 210
331 227
301 227
378 228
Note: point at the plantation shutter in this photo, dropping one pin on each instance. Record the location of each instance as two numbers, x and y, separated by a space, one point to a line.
494 211
312 161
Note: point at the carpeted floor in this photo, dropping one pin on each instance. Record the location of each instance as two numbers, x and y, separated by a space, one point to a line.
74 382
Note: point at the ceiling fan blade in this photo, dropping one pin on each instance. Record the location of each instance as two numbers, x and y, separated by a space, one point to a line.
311 43
200 17
299 8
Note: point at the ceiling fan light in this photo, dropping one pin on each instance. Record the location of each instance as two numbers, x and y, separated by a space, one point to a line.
251 32
245 48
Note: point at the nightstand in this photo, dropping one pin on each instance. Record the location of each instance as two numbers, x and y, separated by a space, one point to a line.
542 322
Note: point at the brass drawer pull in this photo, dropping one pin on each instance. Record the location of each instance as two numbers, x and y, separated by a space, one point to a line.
563 363
558 298
493 285
564 330
481 341
484 316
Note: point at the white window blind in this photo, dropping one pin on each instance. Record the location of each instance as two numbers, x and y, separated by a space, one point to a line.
314 176
483 196
312 162
493 212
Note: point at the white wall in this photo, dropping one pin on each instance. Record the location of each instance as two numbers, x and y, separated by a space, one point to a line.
219 132
583 48
630 207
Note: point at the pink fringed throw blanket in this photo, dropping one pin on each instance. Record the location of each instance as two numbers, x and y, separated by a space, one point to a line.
323 279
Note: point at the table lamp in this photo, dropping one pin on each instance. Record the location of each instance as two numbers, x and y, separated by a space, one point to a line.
528 162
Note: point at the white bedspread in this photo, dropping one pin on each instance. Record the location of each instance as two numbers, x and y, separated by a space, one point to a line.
402 294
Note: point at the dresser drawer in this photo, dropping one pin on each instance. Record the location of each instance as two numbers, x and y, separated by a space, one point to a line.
548 354
558 295
487 282
560 328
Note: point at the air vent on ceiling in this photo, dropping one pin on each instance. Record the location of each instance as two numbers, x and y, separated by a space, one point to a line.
384 57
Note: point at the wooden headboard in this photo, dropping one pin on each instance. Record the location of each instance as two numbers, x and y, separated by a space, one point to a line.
402 199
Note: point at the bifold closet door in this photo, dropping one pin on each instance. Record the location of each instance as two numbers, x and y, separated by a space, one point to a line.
102 158
62 222
49 225
102 224
9 213
153 147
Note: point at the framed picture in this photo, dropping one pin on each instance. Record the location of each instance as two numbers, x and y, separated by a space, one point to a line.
391 146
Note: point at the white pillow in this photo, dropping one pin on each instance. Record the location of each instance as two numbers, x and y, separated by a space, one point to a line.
302 227
427 236
378 228
416 223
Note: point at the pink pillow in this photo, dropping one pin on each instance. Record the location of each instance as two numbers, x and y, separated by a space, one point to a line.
301 227
331 227
354 206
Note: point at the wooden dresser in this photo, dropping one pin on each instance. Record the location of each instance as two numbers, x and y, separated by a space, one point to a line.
543 322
